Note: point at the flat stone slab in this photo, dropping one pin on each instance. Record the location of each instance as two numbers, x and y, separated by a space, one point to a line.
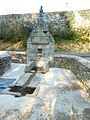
29 66
35 81
22 80
8 92
17 94
15 71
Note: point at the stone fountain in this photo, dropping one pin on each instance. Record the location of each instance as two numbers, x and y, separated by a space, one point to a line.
40 45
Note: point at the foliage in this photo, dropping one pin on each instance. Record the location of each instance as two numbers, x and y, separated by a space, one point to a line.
64 31
14 30
85 14
83 33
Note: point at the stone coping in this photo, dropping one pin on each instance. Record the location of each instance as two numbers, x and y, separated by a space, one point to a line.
4 54
81 60
86 54
56 55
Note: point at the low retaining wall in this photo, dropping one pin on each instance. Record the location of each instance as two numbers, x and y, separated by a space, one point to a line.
79 66
5 62
17 56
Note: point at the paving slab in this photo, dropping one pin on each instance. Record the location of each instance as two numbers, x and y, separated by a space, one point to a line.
22 79
35 81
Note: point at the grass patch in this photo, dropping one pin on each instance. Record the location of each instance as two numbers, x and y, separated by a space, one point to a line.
77 45
61 45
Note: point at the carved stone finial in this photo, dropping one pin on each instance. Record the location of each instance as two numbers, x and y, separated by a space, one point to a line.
41 11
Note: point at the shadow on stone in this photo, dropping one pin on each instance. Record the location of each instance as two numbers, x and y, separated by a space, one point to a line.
23 91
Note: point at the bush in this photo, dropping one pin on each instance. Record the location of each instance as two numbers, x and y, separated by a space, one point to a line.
14 30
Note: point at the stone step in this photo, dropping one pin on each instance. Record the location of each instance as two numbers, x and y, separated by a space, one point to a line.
22 80
8 92
29 66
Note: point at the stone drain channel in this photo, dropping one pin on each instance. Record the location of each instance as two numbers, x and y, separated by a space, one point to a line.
22 85
25 84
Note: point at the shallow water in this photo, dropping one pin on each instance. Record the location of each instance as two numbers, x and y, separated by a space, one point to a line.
4 83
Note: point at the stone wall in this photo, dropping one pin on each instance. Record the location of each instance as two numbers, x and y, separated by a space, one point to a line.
5 62
51 17
79 66
18 57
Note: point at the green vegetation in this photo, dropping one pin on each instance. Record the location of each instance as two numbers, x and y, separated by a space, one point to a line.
85 14
14 32
76 45
67 31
